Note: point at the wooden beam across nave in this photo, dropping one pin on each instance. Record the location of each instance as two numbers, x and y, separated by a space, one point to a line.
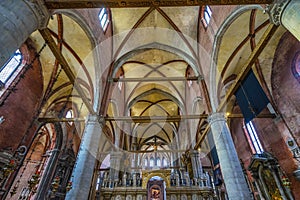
74 4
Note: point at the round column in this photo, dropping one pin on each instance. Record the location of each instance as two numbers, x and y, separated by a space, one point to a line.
18 19
196 164
286 13
115 164
236 186
86 160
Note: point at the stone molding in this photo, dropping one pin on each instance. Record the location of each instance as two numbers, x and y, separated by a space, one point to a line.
194 153
214 117
276 9
116 155
92 118
164 174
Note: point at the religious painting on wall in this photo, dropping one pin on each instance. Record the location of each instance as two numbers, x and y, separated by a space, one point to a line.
155 190
270 184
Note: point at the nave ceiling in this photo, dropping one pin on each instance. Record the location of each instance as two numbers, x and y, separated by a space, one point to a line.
154 51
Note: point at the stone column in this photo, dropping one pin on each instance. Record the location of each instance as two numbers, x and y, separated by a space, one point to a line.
234 179
134 164
49 171
173 157
196 164
115 162
86 160
18 19
286 13
44 185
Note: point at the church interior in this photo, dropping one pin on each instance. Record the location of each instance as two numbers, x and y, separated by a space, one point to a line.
150 99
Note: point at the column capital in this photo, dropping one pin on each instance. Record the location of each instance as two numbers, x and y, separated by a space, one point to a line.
92 118
116 155
214 117
275 10
194 152
41 12
101 120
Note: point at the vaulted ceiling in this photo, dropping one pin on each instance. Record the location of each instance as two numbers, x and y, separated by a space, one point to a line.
156 100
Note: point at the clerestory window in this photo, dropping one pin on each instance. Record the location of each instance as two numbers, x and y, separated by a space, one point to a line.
103 17
151 162
70 115
158 163
10 67
206 15
253 139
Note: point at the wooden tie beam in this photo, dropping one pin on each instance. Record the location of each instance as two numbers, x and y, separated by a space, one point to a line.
147 119
54 119
248 65
245 69
177 118
155 79
65 66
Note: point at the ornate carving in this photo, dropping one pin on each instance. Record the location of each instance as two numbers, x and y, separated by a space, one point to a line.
275 11
173 197
195 197
183 197
164 174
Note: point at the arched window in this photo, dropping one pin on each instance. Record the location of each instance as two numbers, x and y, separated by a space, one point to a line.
253 138
70 115
120 83
158 163
206 15
10 67
103 17
164 162
151 162
146 162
